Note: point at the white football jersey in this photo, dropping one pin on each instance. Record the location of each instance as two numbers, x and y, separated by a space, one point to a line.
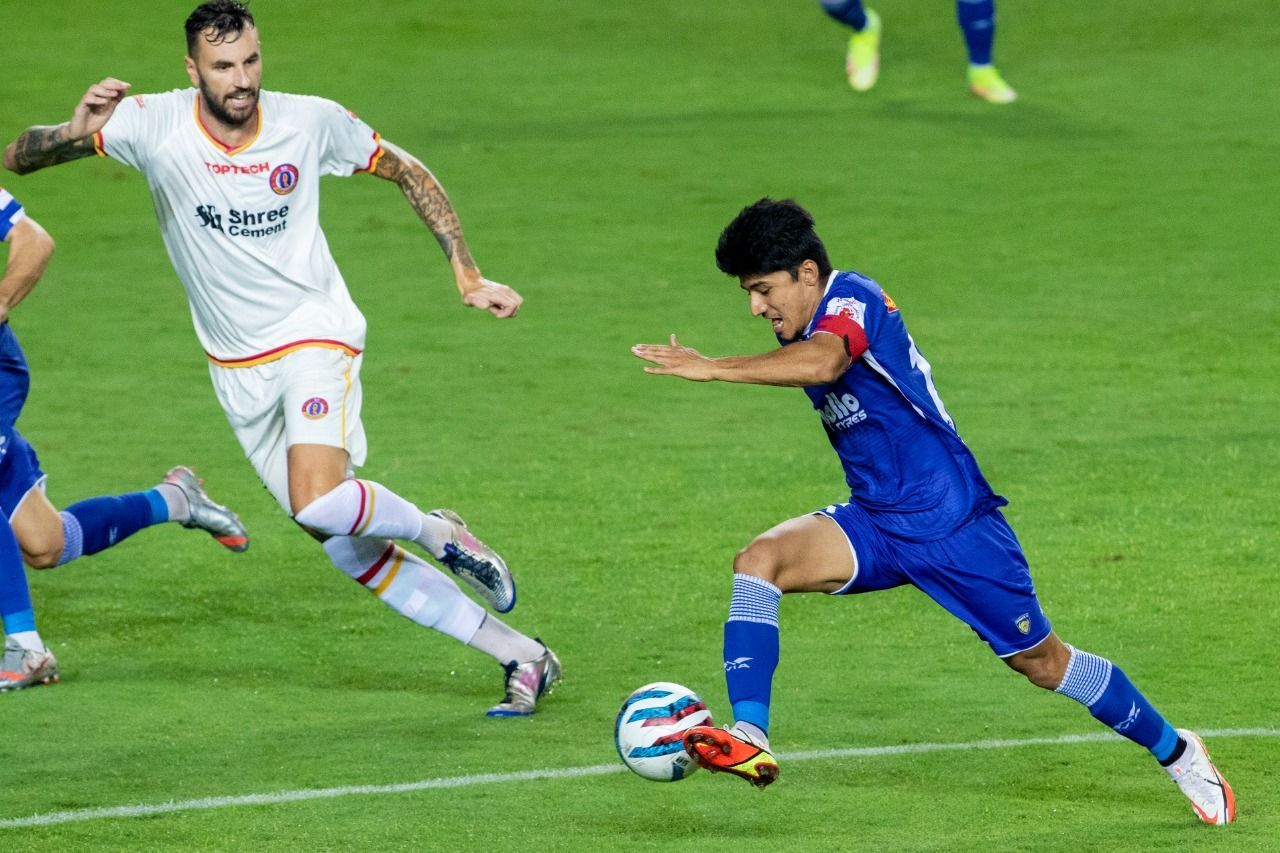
242 225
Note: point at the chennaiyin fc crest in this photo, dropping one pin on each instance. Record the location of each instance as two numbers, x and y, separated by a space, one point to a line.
1024 623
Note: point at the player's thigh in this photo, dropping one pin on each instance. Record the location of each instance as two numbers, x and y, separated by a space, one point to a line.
37 525
980 576
321 400
805 554
315 470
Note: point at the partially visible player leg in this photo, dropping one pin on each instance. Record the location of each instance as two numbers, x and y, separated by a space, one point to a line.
422 593
51 538
26 660
807 554
978 23
365 508
862 61
1113 700
980 575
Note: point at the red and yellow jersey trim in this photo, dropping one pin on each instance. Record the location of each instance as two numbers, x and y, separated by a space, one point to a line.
98 145
229 150
281 351
375 156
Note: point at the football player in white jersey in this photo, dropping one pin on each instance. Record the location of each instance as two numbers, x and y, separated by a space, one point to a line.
234 175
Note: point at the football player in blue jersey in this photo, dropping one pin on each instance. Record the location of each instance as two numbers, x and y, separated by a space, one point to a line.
920 512
977 19
31 529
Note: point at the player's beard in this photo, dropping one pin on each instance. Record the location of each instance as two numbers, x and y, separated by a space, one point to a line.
219 111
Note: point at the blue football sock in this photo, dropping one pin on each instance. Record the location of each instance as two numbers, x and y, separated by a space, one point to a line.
848 12
978 22
96 524
15 597
1111 698
751 648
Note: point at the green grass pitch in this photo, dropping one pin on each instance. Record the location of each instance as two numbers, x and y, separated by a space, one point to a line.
1091 272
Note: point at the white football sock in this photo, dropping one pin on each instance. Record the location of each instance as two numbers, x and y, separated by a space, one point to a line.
28 640
495 637
362 508
176 500
407 584
436 533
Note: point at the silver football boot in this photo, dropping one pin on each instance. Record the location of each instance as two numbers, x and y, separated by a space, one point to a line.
24 667
477 564
526 683
221 523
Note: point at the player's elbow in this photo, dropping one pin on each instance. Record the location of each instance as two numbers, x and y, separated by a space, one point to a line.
11 159
30 238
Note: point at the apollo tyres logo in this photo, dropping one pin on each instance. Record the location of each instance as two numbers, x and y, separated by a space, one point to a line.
841 411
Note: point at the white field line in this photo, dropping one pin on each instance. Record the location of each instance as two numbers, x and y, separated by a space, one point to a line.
147 809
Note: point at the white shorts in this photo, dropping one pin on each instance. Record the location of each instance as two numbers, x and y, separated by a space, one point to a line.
311 396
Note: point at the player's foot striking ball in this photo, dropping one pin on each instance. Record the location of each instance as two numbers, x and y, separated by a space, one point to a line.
733 751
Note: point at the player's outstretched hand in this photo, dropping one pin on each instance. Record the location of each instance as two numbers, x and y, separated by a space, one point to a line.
673 359
498 299
97 105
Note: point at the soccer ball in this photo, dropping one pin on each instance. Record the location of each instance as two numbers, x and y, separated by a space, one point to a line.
650 730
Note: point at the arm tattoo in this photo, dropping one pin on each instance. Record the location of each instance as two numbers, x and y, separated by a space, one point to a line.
428 200
43 146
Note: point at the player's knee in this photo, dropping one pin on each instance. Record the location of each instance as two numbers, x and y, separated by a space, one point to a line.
1040 668
331 513
759 559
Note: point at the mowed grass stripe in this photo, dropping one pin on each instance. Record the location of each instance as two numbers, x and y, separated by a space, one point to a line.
149 809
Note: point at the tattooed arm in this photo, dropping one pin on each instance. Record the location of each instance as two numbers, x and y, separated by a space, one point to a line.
41 146
429 201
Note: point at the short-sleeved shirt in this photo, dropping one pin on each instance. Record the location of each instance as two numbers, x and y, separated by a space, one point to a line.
242 224
11 213
903 460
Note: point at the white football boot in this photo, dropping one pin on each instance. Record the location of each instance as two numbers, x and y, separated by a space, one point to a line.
1211 797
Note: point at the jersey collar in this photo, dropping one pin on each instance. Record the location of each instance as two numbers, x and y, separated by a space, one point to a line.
229 150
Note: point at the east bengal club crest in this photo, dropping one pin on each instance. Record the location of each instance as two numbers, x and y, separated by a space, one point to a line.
283 179
1023 623
317 407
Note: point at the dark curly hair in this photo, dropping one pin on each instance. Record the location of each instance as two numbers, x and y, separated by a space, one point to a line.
224 19
769 236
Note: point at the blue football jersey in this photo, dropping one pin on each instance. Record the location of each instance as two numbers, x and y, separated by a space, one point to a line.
904 462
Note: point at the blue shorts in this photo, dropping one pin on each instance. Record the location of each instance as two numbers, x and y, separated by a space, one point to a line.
19 471
19 467
978 574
